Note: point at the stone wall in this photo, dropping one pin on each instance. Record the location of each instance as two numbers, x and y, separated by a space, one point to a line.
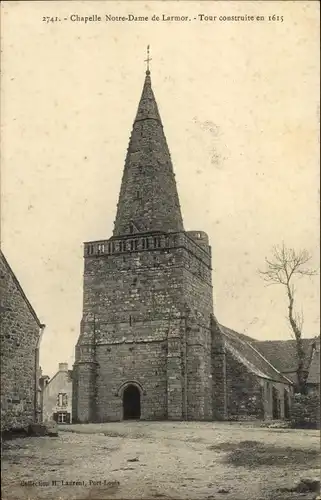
250 396
199 366
281 392
219 386
20 333
135 328
244 391
305 411
143 363
83 392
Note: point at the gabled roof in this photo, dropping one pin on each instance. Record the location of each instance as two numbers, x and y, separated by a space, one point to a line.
14 278
67 373
241 347
283 354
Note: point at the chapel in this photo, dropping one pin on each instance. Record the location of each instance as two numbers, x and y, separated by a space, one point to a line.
150 346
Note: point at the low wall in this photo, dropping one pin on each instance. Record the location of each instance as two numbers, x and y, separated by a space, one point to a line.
305 411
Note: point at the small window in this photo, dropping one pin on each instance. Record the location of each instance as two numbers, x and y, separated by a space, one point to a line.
62 399
131 228
132 245
62 417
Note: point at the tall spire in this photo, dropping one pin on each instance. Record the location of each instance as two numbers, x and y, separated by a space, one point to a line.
148 199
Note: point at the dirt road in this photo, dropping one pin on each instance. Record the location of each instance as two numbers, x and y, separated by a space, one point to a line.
133 460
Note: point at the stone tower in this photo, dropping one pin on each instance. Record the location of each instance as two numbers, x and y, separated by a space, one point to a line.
144 349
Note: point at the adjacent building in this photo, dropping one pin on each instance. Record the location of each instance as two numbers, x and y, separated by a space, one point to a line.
313 378
150 346
283 355
21 333
57 396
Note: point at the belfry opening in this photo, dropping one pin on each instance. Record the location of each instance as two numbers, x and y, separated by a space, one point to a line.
131 403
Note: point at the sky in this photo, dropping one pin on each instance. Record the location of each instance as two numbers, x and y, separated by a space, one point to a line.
239 103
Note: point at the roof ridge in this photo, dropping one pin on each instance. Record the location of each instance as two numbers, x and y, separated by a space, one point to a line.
284 340
261 355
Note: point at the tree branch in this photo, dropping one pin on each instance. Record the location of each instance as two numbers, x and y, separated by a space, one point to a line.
281 269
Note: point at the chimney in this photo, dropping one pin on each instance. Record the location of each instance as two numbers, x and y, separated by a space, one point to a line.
63 367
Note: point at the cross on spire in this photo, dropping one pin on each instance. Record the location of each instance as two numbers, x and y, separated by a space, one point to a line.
148 60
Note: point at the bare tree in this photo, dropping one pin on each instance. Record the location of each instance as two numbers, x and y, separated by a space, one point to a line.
283 268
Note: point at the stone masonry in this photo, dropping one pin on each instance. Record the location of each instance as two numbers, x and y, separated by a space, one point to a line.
147 295
149 345
21 333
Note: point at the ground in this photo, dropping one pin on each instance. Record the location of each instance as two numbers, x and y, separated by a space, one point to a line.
165 460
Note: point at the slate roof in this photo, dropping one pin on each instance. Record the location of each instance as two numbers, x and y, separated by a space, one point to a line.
241 347
282 353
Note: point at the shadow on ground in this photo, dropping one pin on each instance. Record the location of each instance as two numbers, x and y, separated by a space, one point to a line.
255 454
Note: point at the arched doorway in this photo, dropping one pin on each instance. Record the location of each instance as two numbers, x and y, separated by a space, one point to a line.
131 403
